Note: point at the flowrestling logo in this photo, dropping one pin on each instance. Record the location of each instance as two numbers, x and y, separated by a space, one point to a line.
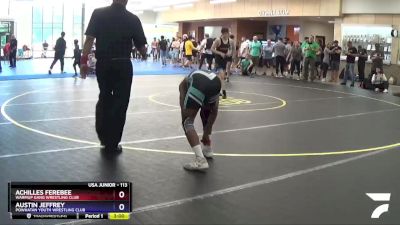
380 197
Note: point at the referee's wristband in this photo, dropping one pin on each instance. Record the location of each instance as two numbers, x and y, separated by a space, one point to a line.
84 59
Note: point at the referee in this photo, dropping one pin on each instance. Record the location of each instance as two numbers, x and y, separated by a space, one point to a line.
115 30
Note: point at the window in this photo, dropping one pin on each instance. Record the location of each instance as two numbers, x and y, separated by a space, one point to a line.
48 21
37 25
47 24
77 23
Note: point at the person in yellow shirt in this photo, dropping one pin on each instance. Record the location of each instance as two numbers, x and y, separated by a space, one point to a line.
189 48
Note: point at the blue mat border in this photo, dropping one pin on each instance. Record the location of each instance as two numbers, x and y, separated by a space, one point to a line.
69 75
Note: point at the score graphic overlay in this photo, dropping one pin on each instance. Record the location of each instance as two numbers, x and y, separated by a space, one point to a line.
88 200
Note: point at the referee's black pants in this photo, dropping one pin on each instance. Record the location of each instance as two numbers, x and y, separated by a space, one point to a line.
115 79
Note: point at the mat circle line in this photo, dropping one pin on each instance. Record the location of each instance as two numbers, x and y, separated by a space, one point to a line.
283 102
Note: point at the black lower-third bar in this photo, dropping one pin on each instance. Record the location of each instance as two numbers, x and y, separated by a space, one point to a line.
31 216
27 216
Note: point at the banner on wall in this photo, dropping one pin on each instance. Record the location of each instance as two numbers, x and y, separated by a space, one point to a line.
276 31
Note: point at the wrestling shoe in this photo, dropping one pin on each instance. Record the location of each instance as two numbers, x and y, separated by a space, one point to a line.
199 164
208 152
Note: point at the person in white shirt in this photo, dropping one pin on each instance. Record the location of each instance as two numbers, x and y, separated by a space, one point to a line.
244 48
206 53
175 46
379 81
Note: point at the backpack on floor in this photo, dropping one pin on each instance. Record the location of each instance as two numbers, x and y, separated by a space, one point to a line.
367 84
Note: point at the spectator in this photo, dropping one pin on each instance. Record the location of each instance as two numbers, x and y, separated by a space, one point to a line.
362 58
195 52
280 53
230 59
182 49
13 51
77 57
244 48
294 57
163 50
26 52
189 50
202 50
207 54
175 50
310 53
1 59
60 47
377 59
267 56
379 81
325 61
168 48
289 46
350 61
306 39
154 46
6 50
158 50
336 51
318 60
255 52
45 48
236 63
247 65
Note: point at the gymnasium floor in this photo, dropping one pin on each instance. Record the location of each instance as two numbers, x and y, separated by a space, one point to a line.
289 152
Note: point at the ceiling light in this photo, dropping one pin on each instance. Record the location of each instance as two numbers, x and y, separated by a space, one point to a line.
221 1
183 6
160 9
